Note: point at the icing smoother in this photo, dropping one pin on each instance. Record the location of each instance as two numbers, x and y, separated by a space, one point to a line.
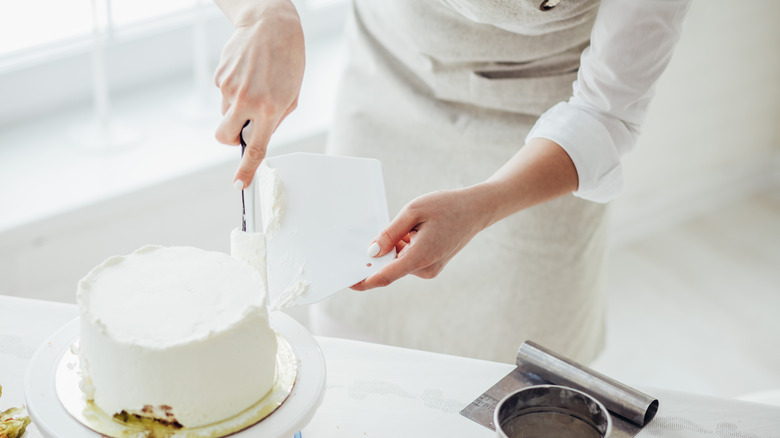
178 333
272 206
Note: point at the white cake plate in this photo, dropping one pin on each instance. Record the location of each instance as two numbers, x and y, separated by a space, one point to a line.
51 418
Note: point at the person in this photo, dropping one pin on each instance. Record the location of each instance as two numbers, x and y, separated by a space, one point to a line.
500 125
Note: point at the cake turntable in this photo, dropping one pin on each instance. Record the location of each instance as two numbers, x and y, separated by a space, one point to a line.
59 410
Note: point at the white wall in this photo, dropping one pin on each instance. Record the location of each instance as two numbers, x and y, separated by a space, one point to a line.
712 133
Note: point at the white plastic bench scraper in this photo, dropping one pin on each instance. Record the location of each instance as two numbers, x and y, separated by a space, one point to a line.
319 224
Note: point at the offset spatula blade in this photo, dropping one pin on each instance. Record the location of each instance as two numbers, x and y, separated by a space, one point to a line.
248 193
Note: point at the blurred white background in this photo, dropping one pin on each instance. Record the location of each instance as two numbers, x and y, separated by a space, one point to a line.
107 114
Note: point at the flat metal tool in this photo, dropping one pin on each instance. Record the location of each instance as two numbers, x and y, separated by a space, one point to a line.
630 409
247 194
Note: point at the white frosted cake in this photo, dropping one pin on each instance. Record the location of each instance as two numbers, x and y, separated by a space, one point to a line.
179 334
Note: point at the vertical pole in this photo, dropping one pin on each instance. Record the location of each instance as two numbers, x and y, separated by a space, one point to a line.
103 134
100 92
200 55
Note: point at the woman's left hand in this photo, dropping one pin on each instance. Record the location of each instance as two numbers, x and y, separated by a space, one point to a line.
431 229
428 232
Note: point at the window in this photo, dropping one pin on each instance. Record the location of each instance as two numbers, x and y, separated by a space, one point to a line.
52 53
23 26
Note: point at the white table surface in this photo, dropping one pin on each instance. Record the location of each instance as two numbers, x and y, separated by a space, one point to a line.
379 391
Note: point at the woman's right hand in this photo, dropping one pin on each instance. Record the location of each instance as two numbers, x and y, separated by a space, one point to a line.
259 74
429 231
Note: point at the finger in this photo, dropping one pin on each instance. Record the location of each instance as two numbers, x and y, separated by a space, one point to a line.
395 231
225 105
256 146
380 279
230 126
400 246
403 243
391 272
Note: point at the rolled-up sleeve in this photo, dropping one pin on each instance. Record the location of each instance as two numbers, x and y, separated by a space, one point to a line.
631 45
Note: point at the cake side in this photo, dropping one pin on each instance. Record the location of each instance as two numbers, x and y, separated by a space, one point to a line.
192 384
179 334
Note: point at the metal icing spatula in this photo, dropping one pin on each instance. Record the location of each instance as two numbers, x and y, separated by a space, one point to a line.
328 210
247 194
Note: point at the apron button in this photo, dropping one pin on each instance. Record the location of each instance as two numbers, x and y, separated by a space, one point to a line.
546 5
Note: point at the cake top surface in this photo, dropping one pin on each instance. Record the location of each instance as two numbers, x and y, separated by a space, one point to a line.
159 296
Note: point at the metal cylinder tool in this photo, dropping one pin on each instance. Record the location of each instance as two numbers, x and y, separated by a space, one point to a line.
629 409
633 405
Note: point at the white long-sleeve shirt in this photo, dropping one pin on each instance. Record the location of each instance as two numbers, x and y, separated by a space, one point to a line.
631 45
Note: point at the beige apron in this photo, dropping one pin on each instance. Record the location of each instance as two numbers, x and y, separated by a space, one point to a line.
444 93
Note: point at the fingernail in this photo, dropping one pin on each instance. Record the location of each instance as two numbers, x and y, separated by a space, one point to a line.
373 250
238 184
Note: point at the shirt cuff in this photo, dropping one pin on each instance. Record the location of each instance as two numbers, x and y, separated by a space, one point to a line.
591 147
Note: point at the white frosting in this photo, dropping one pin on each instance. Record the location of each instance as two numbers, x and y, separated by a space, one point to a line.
250 247
290 296
271 198
180 330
